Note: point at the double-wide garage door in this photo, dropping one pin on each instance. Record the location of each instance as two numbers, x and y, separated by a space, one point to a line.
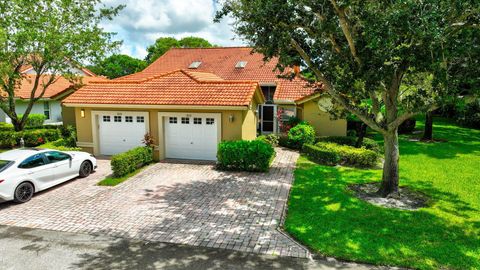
191 136
186 136
121 131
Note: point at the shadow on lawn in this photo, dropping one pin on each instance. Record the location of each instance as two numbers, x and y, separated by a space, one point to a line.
324 215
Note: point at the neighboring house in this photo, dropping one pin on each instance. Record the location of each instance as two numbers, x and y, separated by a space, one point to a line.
191 99
50 104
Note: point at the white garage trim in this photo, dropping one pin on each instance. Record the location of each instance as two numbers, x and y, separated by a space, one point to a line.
96 124
161 126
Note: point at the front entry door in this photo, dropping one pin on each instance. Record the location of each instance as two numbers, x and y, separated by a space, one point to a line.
268 124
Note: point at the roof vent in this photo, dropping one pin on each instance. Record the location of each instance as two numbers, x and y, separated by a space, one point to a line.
241 64
195 65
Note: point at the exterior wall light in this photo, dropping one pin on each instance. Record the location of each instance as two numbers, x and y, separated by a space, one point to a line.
231 118
82 113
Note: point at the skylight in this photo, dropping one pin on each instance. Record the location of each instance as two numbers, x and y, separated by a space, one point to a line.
241 64
195 64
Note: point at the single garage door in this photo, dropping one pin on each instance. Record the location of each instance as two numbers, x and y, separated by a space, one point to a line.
121 131
192 136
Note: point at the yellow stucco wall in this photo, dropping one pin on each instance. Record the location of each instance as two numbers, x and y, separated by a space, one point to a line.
321 121
249 123
243 125
68 116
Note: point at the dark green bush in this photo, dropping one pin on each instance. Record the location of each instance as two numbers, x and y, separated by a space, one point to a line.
301 134
128 162
69 135
253 156
351 141
349 155
31 137
470 115
321 155
271 139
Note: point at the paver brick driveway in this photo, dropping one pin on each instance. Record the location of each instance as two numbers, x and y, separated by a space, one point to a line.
172 202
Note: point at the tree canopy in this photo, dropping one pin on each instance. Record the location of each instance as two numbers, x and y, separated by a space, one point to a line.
50 36
118 65
361 53
163 44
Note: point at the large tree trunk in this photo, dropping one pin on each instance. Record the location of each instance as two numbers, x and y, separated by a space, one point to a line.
428 132
18 125
390 177
361 132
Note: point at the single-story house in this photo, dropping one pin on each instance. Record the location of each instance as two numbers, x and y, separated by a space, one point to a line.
191 99
50 104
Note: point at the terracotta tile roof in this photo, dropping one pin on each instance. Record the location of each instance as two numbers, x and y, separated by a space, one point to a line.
222 62
292 90
178 87
62 85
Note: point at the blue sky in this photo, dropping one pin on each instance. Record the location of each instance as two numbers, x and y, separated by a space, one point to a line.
143 21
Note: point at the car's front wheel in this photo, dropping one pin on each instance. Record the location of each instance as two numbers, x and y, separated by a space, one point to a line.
24 192
85 169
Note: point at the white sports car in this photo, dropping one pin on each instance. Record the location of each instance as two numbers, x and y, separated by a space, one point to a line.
24 172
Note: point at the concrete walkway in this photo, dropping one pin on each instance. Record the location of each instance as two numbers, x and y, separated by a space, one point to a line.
36 249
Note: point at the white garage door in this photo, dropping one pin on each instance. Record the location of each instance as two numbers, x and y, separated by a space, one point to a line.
121 131
192 136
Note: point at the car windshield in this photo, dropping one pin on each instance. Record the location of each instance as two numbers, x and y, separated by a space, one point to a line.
5 164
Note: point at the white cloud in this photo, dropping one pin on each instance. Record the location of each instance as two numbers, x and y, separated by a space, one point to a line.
143 21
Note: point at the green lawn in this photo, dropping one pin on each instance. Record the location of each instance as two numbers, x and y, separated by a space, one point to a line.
325 216
111 181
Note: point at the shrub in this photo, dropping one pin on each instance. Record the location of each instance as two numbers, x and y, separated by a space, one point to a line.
408 126
349 155
321 155
253 156
470 115
34 120
39 136
351 141
128 162
32 138
283 140
60 145
5 127
69 135
300 135
271 139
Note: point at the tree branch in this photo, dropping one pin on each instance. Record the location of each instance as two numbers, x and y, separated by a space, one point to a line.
329 88
346 31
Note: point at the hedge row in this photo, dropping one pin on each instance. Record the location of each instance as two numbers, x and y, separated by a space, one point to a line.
32 138
253 156
332 153
351 141
321 155
128 162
